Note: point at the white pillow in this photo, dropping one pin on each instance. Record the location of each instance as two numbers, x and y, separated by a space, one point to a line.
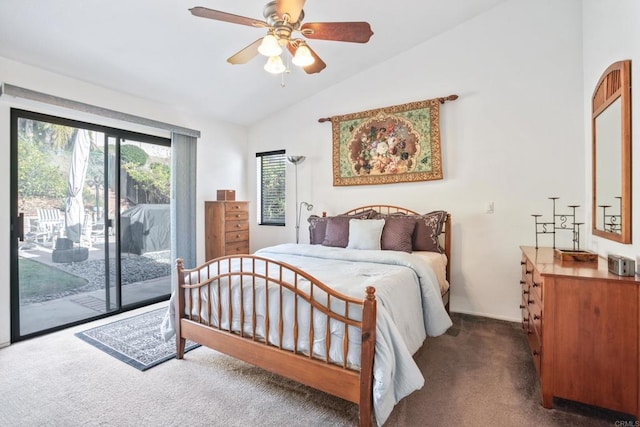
365 233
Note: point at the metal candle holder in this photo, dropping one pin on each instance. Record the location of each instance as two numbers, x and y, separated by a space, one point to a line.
612 222
560 222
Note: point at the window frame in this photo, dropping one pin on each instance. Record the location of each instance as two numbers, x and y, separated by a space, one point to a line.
274 159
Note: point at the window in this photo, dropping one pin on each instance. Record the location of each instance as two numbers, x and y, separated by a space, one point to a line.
270 172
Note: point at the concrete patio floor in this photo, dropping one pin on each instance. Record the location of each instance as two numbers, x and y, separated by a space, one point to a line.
72 308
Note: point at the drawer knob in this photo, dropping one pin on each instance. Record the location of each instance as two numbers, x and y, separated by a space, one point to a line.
237 225
522 307
529 332
530 301
522 282
536 353
237 215
529 271
525 292
237 236
523 262
536 317
535 285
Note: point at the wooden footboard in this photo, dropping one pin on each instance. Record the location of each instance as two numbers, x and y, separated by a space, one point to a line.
208 295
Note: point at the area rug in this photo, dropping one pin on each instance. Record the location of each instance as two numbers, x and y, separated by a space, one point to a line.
136 340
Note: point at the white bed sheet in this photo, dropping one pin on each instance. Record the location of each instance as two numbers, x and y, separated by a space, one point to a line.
409 308
438 262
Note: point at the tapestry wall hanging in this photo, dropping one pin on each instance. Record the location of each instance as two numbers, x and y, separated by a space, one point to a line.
388 145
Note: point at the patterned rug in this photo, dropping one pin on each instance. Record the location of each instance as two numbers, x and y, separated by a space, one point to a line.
135 340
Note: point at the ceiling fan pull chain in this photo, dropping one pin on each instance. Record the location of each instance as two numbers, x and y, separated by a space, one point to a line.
286 71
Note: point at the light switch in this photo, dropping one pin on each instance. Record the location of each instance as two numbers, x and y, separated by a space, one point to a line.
489 207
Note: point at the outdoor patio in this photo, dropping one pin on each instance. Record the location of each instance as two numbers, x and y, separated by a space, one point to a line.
144 277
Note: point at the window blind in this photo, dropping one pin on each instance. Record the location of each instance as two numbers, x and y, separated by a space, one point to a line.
271 187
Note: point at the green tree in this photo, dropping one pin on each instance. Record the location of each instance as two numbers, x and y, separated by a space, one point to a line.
133 154
36 177
154 180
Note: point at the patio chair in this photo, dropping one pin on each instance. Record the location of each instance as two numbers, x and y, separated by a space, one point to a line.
50 222
91 232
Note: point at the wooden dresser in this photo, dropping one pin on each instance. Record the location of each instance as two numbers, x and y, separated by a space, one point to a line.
226 228
583 327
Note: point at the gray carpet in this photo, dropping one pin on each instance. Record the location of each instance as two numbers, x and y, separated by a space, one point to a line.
479 374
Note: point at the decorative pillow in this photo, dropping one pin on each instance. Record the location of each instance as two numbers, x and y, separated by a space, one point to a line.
317 229
365 233
428 227
337 233
397 234
318 225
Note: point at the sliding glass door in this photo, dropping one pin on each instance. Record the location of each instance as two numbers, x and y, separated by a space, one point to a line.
90 222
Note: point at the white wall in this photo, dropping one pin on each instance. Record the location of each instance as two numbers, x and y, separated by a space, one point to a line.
612 33
221 148
514 137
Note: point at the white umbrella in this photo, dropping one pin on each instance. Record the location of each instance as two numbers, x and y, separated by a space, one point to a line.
74 205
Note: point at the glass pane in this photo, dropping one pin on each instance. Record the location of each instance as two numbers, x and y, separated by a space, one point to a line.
60 265
145 225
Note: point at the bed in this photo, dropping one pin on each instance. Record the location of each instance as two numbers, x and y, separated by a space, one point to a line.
338 318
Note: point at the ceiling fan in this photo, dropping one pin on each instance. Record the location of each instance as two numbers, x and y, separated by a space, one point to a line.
282 19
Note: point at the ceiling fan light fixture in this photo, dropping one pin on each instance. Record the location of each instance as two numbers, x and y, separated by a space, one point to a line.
269 46
303 56
274 65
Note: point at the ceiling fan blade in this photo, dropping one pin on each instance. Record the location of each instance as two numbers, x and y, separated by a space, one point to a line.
290 7
246 54
356 32
318 64
204 12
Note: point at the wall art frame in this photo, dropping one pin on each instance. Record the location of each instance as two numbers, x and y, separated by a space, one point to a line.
388 145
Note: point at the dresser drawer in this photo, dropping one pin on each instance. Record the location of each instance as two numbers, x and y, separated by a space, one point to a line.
226 228
236 216
535 311
536 284
236 226
524 309
535 344
527 272
236 206
237 236
233 248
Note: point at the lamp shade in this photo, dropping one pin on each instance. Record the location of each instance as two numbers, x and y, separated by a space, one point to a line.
303 56
295 160
269 46
274 65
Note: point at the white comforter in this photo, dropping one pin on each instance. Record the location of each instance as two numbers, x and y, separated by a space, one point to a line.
409 308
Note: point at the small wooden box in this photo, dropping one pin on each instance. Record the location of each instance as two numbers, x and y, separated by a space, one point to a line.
228 195
569 255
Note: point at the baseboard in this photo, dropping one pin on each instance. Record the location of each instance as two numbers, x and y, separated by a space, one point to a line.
490 316
4 344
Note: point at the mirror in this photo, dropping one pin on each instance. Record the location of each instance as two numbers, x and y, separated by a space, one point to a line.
611 151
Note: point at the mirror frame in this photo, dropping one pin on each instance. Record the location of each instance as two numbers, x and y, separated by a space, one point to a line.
614 83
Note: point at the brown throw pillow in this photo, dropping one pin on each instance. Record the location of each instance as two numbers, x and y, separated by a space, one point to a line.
317 229
337 233
428 227
397 234
318 226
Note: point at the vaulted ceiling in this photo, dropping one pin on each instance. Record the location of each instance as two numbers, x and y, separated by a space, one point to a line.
157 50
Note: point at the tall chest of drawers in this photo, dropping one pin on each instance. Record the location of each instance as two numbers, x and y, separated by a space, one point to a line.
226 228
583 328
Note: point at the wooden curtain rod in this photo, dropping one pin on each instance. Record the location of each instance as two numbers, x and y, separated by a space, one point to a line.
442 101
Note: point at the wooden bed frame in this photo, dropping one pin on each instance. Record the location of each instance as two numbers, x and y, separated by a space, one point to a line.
339 380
